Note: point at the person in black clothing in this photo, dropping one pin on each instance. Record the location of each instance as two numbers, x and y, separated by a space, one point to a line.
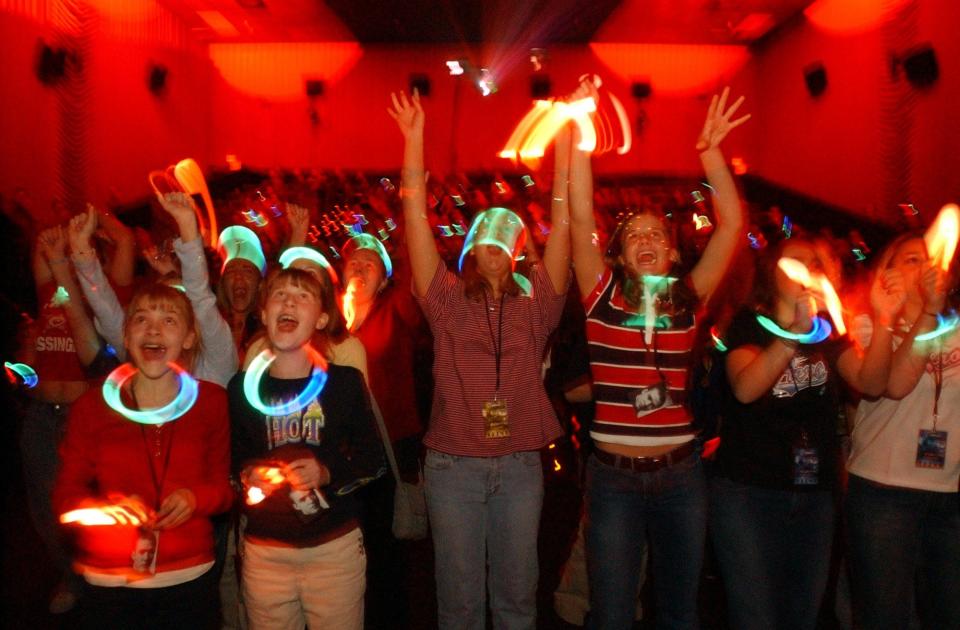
771 500
304 438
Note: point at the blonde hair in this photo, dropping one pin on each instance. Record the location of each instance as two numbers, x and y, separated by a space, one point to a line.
157 294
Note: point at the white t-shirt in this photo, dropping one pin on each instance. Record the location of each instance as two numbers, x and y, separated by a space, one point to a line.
886 431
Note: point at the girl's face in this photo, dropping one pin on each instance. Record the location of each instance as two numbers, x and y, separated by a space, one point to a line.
647 247
910 260
492 261
155 335
365 271
291 315
805 254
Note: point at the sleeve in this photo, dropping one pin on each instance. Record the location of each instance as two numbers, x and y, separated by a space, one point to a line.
745 331
549 303
214 494
219 358
77 472
364 458
243 439
590 300
438 297
108 314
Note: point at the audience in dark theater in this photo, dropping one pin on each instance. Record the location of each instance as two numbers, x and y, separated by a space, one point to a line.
623 315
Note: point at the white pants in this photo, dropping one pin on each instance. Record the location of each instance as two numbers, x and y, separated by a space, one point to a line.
322 587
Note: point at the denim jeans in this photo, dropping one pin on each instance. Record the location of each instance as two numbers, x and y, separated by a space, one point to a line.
903 543
773 547
485 511
624 508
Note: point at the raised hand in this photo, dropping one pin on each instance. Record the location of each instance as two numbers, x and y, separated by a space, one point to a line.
408 113
888 294
298 217
718 123
179 205
933 289
81 229
53 244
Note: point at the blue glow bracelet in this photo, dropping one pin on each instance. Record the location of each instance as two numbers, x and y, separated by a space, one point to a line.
821 330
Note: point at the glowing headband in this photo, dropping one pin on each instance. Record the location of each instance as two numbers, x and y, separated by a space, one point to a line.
237 241
366 241
255 372
305 253
180 405
499 227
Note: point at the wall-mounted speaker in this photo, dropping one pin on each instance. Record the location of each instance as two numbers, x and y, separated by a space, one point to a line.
314 88
641 89
420 83
921 67
815 76
51 63
157 78
540 87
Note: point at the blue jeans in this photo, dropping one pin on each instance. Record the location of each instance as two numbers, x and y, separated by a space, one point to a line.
623 508
773 547
903 543
485 510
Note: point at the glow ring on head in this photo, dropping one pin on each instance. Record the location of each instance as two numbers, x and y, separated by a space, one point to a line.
24 371
820 332
255 372
296 253
366 241
944 325
180 405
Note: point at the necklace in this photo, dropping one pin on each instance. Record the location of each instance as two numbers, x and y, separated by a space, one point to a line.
181 404
260 364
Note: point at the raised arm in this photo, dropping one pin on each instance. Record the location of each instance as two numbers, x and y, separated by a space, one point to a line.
96 288
424 258
717 256
910 359
869 371
299 219
556 257
588 263
219 359
120 268
53 242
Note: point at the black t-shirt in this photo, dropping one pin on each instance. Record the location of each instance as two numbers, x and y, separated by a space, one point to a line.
758 439
338 429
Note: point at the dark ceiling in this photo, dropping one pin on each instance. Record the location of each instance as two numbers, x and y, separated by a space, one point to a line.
474 21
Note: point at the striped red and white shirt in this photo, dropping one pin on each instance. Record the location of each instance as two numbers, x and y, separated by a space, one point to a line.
464 368
623 364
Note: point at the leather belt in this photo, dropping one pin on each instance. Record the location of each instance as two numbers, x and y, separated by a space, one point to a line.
646 464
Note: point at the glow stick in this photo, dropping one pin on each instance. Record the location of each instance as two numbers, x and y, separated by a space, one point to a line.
256 370
181 404
941 237
24 371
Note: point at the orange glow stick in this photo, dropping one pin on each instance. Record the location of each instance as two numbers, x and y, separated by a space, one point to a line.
348 303
941 237
798 272
103 515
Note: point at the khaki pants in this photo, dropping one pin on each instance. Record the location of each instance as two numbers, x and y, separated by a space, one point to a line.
322 587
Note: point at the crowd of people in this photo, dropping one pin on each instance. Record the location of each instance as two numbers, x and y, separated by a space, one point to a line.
202 419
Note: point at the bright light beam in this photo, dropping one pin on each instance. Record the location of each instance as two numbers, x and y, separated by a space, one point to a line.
941 237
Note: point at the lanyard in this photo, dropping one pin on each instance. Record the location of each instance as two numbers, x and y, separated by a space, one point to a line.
154 478
937 387
498 340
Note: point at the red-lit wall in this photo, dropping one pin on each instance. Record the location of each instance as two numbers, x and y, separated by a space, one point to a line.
856 145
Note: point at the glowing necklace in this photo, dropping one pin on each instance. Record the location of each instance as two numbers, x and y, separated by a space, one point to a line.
260 364
944 325
180 405
820 331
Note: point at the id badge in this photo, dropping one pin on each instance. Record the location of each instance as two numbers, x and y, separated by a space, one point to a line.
806 466
495 419
931 449
143 559
308 504
648 399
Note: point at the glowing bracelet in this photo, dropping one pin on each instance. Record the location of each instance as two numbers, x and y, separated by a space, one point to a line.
259 365
717 341
820 331
180 405
944 325
24 371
